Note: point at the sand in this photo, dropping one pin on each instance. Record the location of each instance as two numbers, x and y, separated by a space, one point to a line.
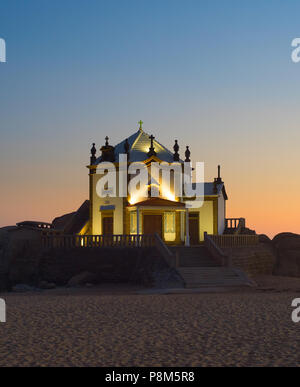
100 327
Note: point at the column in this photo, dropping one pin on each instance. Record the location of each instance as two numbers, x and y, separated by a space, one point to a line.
182 234
138 225
187 229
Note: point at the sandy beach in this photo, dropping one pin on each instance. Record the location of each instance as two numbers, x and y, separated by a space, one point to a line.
117 327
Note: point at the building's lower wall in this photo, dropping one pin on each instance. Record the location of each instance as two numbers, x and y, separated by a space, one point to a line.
221 214
98 202
208 217
117 214
207 220
118 218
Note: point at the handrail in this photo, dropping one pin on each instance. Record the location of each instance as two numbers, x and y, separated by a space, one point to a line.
165 252
216 252
96 241
238 229
235 224
235 240
55 241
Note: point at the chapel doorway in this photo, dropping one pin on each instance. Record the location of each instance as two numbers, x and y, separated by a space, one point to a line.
108 225
153 224
194 228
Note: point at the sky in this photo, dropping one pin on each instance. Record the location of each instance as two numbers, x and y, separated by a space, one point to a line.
216 75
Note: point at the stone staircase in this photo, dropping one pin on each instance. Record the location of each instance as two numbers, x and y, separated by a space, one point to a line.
198 269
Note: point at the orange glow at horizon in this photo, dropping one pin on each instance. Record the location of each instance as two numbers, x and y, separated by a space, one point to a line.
261 178
269 208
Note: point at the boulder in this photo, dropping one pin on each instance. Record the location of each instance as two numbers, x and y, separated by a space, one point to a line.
4 259
82 279
264 239
286 241
20 254
47 285
22 288
287 248
247 231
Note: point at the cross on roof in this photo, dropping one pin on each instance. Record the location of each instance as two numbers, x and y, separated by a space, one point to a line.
152 138
151 149
141 124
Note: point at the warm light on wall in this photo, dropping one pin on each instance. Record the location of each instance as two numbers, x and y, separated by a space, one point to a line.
84 229
132 200
136 199
167 194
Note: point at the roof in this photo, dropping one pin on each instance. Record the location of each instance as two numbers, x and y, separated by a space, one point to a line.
209 189
139 144
158 202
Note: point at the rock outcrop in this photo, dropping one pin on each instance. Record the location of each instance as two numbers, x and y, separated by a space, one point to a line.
264 239
19 248
287 249
82 279
4 259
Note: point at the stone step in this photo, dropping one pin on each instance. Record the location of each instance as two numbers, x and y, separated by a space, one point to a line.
196 262
195 277
198 269
213 285
194 257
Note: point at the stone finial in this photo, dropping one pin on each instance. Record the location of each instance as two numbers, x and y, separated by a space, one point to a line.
176 150
151 149
187 155
93 153
108 151
218 180
126 147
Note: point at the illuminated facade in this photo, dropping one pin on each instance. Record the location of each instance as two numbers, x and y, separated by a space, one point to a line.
166 214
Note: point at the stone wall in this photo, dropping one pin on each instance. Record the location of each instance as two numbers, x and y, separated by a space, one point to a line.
23 261
253 260
126 265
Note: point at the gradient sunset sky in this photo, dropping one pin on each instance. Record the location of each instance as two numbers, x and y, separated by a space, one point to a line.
217 75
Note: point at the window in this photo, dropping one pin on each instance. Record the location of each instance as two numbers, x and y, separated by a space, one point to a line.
169 226
133 223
